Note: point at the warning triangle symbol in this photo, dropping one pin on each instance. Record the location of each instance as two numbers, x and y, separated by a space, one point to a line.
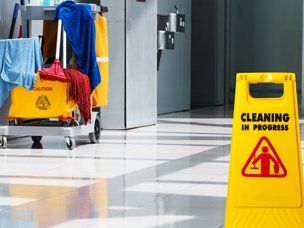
264 161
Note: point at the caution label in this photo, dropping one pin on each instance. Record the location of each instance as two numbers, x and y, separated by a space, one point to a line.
265 121
43 103
43 89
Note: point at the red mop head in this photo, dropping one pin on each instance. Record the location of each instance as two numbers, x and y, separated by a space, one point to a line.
54 73
80 91
78 86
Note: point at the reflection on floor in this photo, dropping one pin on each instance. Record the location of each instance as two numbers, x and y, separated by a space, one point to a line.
170 175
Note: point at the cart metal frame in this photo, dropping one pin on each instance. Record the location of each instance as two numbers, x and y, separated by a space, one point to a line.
68 129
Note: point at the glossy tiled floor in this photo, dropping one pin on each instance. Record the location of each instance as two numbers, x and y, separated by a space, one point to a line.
170 175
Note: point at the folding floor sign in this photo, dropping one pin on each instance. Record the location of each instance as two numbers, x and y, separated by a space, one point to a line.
265 187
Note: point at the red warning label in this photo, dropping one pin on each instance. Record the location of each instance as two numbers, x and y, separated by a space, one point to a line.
264 161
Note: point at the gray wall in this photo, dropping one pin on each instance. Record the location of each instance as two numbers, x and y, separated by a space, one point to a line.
208 52
132 39
113 116
141 45
265 36
174 76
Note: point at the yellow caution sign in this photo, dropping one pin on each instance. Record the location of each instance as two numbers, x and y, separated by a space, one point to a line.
265 178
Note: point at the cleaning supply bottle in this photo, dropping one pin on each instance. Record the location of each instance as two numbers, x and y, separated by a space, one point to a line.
48 2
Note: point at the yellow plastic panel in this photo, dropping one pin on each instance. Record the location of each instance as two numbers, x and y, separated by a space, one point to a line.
265 178
47 100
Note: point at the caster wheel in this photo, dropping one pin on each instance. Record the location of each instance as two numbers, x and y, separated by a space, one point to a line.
74 123
95 136
70 142
37 146
65 124
3 142
36 139
13 122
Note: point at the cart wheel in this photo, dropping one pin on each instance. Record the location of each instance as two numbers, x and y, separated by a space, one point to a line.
36 139
65 124
37 146
95 136
74 123
70 142
3 142
13 122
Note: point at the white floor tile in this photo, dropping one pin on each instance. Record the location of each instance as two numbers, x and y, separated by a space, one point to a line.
173 174
13 201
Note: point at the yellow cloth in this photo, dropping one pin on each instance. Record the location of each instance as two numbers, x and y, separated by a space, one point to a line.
100 94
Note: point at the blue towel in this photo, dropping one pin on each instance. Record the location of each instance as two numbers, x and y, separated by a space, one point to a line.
78 22
20 59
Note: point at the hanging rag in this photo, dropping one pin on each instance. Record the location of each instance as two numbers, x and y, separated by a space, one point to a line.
20 59
78 23
79 92
100 94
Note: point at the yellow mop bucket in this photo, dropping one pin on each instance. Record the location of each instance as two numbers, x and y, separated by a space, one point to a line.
48 99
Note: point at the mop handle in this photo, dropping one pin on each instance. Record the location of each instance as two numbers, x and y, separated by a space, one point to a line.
58 39
64 64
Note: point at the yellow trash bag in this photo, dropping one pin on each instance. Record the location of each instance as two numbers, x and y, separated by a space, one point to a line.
100 94
48 99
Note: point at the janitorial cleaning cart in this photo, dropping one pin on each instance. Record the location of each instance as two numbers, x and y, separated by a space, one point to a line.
47 110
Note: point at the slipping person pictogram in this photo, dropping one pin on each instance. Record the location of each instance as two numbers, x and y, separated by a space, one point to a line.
264 162
43 103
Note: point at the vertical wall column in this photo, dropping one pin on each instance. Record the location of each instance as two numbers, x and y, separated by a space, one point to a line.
133 70
141 63
113 115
